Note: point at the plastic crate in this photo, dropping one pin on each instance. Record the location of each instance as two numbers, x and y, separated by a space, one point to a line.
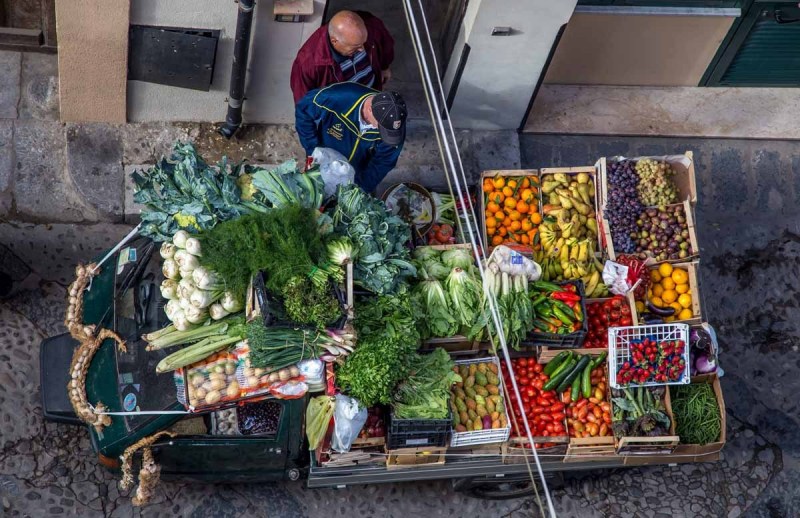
620 338
571 341
416 433
483 436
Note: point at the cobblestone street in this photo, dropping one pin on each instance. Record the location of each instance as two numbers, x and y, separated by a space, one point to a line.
64 197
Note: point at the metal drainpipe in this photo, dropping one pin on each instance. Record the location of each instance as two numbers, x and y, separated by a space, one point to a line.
241 48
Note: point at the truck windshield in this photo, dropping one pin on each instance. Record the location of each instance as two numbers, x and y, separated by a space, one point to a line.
138 309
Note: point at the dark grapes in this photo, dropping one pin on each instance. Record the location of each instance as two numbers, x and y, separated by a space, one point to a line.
623 207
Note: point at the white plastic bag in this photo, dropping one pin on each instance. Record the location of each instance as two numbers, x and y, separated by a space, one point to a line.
514 263
334 168
348 419
615 276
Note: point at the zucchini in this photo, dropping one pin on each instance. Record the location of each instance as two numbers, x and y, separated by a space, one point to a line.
555 362
560 374
575 391
597 361
586 381
576 370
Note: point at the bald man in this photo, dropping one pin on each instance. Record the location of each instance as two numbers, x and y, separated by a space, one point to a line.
354 46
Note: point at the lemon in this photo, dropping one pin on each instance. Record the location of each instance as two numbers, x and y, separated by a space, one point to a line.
680 276
677 307
665 269
667 283
657 302
685 300
655 276
669 319
685 314
658 290
682 288
640 306
669 296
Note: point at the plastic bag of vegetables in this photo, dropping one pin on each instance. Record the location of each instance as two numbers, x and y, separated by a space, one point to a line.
318 418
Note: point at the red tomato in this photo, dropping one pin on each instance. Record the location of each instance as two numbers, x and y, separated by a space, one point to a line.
524 381
543 401
530 392
531 373
537 368
522 362
625 321
539 384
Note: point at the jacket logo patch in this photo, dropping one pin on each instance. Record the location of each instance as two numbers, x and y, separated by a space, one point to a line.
335 131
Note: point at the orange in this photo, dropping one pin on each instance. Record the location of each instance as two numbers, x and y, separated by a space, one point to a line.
512 184
685 314
677 307
522 207
500 215
507 222
492 206
667 283
682 288
515 215
526 225
685 300
488 186
680 276
526 182
503 231
536 218
658 290
669 296
515 226
510 203
491 223
655 276
665 269
497 240
499 182
497 197
526 195
657 302
508 191
524 239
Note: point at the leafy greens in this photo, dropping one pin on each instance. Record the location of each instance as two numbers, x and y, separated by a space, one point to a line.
426 391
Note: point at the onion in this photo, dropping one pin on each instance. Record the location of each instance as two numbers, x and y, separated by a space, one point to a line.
704 364
180 238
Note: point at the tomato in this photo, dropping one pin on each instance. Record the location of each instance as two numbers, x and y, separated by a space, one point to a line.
525 398
539 384
537 368
625 321
522 362
530 392
543 401
523 380
531 373
625 310
557 407
550 428
558 416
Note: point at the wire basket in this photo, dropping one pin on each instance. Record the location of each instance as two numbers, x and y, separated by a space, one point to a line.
619 350
483 436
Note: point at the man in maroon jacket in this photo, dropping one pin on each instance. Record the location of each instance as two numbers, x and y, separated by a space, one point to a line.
353 46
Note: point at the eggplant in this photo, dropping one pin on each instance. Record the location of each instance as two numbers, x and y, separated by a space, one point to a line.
650 318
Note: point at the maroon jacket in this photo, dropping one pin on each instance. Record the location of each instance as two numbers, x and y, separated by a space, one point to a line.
314 66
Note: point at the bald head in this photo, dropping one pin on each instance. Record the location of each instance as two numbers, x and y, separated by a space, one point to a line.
347 32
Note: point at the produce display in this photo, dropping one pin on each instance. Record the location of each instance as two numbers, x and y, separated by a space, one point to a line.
658 361
478 398
557 307
696 411
670 296
511 205
640 412
546 414
602 314
213 381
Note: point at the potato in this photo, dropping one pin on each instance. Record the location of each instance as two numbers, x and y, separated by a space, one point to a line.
294 371
273 377
232 390
216 376
213 397
284 375
259 372
248 371
200 393
252 381
218 384
230 368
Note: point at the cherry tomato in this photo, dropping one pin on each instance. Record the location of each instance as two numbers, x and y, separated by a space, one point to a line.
539 384
531 393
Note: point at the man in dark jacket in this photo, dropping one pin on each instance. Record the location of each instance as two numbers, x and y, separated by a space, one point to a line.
353 46
366 126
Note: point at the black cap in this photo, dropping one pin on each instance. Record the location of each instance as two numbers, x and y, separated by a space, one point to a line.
390 111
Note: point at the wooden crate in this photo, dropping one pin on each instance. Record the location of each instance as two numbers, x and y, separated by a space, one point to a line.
517 449
478 452
590 449
684 178
594 172
368 442
415 457
546 354
688 209
697 450
650 445
506 173
694 289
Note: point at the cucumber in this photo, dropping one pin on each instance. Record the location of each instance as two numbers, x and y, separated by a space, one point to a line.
576 370
560 374
558 370
587 381
597 361
575 391
555 362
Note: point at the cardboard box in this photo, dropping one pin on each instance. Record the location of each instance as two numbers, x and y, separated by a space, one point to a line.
694 289
415 457
708 450
688 209
505 173
684 178
594 172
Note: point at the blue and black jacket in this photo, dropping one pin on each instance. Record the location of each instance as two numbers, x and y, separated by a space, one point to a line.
329 117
